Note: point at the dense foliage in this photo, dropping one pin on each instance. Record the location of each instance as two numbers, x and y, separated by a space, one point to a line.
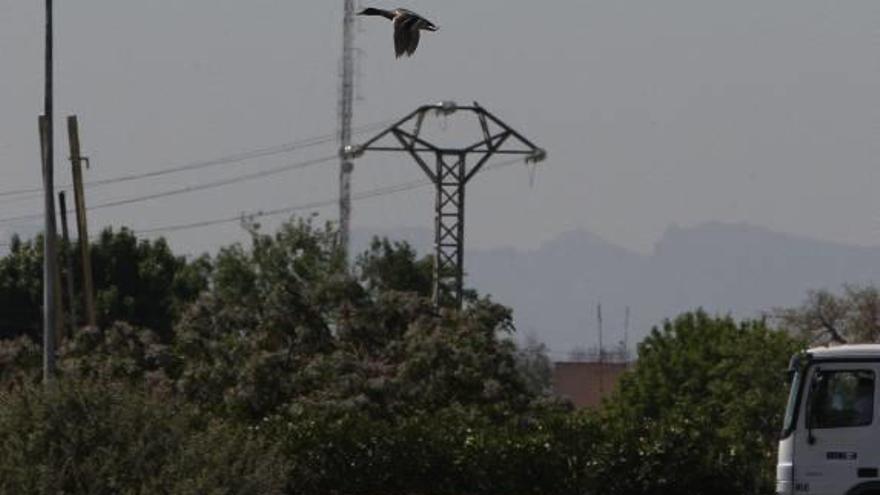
138 281
272 367
701 411
80 437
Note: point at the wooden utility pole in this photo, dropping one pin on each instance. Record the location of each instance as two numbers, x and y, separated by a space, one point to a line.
68 258
59 303
50 259
81 225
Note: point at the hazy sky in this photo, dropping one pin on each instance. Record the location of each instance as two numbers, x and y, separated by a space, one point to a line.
654 113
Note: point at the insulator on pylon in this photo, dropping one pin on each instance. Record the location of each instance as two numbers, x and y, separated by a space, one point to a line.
538 156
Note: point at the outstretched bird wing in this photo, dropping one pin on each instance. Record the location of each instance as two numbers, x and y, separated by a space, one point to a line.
414 42
401 41
406 34
406 41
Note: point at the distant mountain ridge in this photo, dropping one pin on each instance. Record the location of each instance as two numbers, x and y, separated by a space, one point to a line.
735 269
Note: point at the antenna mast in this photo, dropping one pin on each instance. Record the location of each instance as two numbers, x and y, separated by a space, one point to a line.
346 110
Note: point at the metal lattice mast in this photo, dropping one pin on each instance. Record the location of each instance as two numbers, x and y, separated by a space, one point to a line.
449 185
346 110
450 174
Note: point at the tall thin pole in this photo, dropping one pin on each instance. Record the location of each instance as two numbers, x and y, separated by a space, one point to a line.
626 335
81 222
601 338
346 110
601 351
50 259
68 258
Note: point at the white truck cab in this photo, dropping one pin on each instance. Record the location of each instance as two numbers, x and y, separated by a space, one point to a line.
830 442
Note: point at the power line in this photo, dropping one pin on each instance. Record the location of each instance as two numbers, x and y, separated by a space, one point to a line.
382 191
189 189
227 159
372 193
290 209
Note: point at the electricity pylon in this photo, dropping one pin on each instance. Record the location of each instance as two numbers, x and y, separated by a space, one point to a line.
450 174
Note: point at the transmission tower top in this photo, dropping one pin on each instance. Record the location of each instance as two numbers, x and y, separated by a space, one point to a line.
450 174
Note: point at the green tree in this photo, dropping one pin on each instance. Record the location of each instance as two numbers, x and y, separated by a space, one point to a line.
21 289
535 366
270 309
140 282
352 377
394 266
284 324
448 451
20 362
104 438
700 412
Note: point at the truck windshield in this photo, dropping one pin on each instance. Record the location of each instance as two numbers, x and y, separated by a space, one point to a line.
793 394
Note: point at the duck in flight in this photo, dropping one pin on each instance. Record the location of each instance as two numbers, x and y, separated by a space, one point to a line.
407 27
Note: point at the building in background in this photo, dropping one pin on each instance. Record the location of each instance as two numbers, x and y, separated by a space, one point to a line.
585 384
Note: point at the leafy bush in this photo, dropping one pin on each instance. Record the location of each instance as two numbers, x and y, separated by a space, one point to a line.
701 411
274 368
20 362
451 451
81 437
138 281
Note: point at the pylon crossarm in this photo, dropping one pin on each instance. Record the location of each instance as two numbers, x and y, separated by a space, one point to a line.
402 136
412 151
489 142
493 150
443 108
407 141
506 127
484 125
390 129
400 148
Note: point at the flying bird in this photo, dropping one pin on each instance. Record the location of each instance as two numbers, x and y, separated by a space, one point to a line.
407 27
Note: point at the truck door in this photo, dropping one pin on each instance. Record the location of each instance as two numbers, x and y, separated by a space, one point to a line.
837 445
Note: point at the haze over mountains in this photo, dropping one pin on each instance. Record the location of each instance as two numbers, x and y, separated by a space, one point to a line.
724 268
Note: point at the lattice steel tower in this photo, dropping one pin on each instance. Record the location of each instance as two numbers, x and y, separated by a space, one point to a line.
450 174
